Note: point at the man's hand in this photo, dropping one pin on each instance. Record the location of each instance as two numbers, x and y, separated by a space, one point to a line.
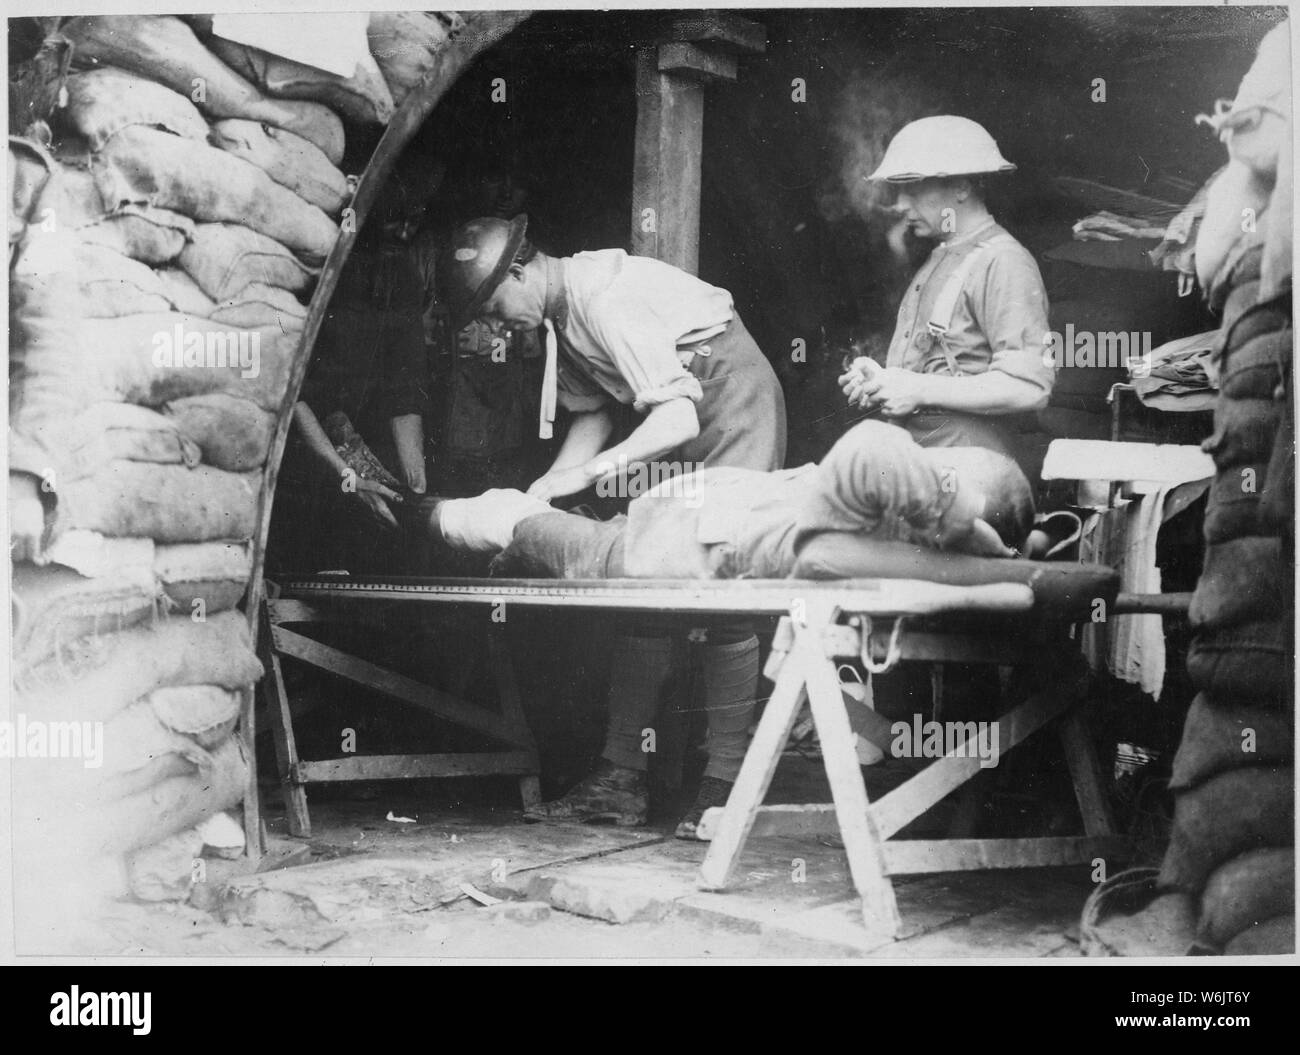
853 381
26 518
375 497
559 483
415 479
896 391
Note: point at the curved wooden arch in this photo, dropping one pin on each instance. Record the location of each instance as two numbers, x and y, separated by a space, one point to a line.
482 30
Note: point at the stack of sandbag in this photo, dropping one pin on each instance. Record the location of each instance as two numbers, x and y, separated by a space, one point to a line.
169 231
1232 847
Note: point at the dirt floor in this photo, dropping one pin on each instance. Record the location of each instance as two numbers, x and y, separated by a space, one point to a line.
457 880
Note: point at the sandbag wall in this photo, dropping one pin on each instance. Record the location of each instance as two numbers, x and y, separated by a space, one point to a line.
1232 850
1232 847
171 215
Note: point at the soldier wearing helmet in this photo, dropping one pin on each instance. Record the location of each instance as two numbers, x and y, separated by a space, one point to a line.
635 331
967 350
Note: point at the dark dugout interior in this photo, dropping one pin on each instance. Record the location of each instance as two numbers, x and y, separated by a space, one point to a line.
788 223
792 229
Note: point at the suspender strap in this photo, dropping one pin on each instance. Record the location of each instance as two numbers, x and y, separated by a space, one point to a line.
946 303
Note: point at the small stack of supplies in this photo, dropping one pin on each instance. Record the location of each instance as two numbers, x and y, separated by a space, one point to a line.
170 215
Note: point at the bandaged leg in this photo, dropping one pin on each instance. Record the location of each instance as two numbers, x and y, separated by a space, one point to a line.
486 524
555 545
638 670
730 684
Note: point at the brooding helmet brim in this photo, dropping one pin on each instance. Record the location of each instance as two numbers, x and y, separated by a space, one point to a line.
916 177
466 314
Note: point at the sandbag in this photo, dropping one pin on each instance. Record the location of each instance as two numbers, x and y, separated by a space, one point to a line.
1277 509
165 870
1242 580
141 820
185 293
363 97
1274 937
232 433
1232 508
287 158
165 49
1250 661
122 431
258 305
53 606
213 573
96 677
1245 892
113 285
224 258
97 556
1223 733
136 736
406 45
204 713
1243 431
142 232
167 503
145 166
102 102
1240 810
1257 367
150 360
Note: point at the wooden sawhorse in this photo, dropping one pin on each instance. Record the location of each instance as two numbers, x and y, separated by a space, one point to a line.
808 644
509 726
815 604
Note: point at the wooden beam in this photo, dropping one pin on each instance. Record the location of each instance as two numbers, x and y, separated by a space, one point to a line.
895 810
862 839
915 856
721 30
407 767
690 61
398 686
803 819
1086 775
666 164
281 720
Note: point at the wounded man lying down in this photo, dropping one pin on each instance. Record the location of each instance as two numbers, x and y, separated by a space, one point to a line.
875 485
725 523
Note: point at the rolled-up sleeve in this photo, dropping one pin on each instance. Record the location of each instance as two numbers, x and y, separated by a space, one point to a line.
1012 313
643 348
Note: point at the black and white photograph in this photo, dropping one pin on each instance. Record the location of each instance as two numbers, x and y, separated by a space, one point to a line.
674 485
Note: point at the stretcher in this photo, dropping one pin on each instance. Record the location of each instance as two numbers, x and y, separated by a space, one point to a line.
822 623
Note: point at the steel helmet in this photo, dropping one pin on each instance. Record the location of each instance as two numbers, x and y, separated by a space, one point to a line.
940 146
475 261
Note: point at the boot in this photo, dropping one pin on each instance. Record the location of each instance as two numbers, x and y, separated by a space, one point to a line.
713 792
610 794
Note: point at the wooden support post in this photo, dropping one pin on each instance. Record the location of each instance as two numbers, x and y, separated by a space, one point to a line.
277 709
1086 775
862 842
666 164
254 840
512 709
